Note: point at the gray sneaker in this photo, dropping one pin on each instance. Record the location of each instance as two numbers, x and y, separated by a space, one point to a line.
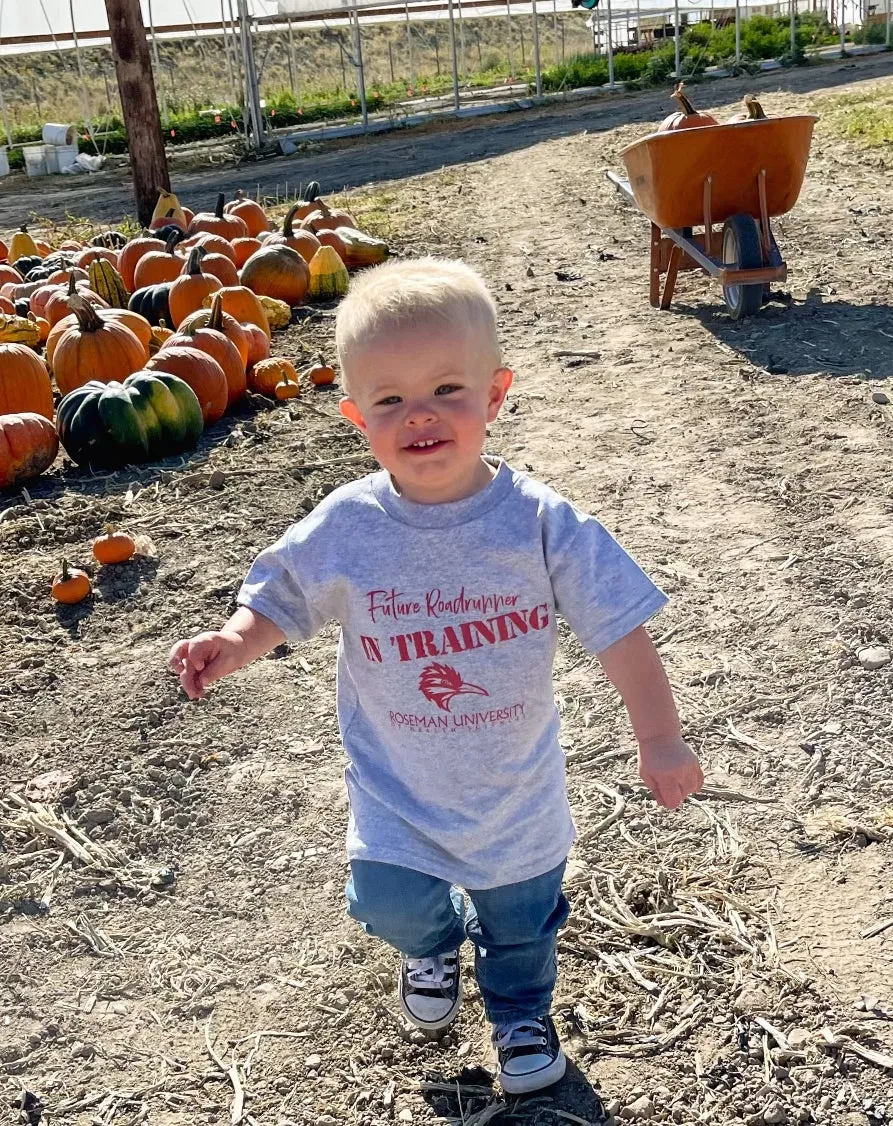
530 1055
430 990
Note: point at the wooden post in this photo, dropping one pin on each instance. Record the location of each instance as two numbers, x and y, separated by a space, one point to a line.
136 86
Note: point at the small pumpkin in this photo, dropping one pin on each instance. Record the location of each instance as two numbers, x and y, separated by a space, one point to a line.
220 322
105 280
157 267
243 304
278 314
361 249
320 374
288 388
277 271
251 213
113 546
151 415
686 117
308 202
131 254
9 274
71 585
258 346
7 307
304 242
753 111
218 223
201 372
22 245
243 248
28 446
267 374
137 324
112 240
213 244
95 347
331 217
151 302
221 267
219 348
24 382
329 278
58 304
189 291
43 328
160 335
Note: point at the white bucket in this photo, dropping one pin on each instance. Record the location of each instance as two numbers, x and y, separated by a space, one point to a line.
35 161
60 156
4 161
58 134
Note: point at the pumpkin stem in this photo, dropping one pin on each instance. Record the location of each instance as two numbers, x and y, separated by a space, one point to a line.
754 109
171 241
311 192
687 108
65 573
194 264
240 195
215 321
287 229
218 210
88 319
23 229
72 287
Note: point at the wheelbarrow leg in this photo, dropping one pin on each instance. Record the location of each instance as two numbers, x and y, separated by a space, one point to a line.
655 265
672 271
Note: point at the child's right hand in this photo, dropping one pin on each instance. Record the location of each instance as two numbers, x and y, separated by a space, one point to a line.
200 660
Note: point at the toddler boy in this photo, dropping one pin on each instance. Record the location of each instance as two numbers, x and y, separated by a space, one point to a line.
446 570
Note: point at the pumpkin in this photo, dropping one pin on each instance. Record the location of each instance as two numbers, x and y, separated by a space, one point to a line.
92 254
218 223
71 585
221 267
151 302
59 303
105 280
267 374
113 546
320 374
149 416
157 266
753 111
27 263
161 334
251 213
201 371
330 238
22 245
190 289
308 202
113 240
221 322
278 314
329 278
132 253
18 330
361 249
43 247
4 251
258 346
7 307
304 242
277 271
137 324
219 348
95 347
28 446
167 210
43 328
686 117
24 382
243 248
241 303
288 388
213 244
71 244
331 217
9 274
188 213
38 300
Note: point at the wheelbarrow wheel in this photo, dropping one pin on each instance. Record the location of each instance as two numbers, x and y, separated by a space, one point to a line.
742 249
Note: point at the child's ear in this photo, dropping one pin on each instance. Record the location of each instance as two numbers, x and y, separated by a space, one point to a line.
351 412
499 388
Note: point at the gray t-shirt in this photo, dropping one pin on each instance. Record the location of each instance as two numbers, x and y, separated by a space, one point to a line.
448 635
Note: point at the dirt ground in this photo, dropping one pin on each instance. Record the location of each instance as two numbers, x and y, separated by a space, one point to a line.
175 948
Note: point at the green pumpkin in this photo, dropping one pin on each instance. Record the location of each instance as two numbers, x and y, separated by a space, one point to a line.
151 302
151 415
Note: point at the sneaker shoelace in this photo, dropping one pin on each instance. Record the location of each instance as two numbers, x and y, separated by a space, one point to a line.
430 973
520 1034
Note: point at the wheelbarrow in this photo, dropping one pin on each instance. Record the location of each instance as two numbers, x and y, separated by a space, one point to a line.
741 176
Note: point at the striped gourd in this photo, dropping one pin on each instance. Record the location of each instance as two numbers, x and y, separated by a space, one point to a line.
18 330
105 281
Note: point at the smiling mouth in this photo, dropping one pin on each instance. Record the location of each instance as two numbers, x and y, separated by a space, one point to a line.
426 444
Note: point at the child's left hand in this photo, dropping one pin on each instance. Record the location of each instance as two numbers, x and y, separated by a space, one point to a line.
670 769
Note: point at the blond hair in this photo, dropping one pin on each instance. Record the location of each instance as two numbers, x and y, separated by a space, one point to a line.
413 293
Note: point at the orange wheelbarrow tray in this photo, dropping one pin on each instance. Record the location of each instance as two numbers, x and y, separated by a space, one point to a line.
740 175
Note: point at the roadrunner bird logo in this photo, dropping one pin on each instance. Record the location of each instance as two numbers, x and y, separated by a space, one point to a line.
441 684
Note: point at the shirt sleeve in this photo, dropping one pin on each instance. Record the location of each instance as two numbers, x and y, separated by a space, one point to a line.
600 590
293 583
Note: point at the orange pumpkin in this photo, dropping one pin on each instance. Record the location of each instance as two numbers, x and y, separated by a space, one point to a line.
189 291
138 325
37 302
213 244
331 217
92 253
221 267
43 247
10 275
304 242
218 223
7 307
753 111
95 348
258 347
327 237
221 322
28 446
24 382
320 374
58 304
686 117
4 251
219 348
71 585
244 304
277 271
158 266
268 373
201 371
43 327
243 248
113 547
251 213
132 253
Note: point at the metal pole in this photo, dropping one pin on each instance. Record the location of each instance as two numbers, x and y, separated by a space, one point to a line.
842 24
738 31
252 99
508 16
889 29
676 36
291 58
358 63
610 49
454 56
462 44
409 47
229 61
555 27
157 65
638 24
793 30
536 50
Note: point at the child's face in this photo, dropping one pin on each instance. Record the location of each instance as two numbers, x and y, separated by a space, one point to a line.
423 397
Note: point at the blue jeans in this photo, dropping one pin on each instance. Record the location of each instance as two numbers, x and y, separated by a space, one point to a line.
513 929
